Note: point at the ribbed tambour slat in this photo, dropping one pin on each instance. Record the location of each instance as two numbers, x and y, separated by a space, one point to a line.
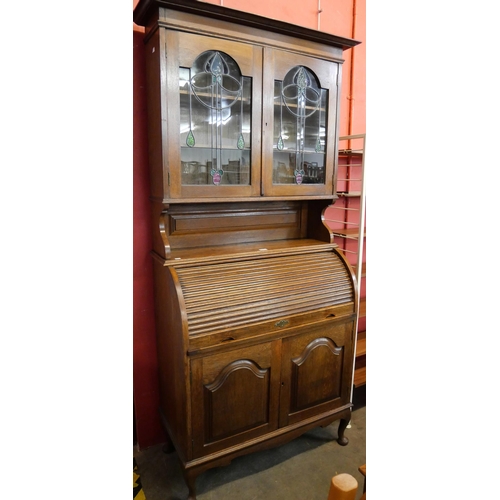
228 295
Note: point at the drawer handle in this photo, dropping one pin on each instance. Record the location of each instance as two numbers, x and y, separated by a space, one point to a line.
282 323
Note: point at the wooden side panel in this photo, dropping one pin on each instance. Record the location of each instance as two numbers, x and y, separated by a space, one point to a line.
173 366
157 111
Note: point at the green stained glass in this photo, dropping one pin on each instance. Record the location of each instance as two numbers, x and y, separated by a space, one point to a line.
217 68
318 146
190 139
241 142
302 80
280 143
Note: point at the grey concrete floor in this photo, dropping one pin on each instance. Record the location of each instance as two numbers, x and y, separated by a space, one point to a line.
299 470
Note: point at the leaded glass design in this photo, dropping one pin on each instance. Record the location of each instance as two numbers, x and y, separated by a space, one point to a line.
215 101
299 128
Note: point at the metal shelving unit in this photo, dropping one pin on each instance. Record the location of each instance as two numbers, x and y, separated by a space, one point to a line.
347 220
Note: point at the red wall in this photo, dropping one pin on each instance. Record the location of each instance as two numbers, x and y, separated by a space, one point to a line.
341 17
146 397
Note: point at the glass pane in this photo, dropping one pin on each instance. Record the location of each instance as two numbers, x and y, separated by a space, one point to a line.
215 102
299 129
197 167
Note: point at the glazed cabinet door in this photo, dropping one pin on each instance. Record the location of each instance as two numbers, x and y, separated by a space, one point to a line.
235 396
214 116
316 372
300 102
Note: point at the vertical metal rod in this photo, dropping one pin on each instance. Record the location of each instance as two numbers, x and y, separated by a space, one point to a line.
361 237
351 72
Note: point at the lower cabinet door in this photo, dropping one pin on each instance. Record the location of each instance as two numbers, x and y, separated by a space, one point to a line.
235 396
316 372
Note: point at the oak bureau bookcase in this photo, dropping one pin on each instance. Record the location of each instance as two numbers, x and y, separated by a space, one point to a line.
255 305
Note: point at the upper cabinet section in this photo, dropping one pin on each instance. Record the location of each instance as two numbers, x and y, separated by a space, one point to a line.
239 106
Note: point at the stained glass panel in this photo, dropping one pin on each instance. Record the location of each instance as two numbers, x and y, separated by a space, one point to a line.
299 128
215 101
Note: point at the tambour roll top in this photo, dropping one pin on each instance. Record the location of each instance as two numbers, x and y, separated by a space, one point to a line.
229 295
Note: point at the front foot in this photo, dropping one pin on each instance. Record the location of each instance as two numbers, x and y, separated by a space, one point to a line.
342 440
168 447
190 479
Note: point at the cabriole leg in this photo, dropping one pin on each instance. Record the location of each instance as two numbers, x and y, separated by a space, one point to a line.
190 478
342 440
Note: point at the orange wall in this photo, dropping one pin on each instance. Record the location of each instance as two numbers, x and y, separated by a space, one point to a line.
340 17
